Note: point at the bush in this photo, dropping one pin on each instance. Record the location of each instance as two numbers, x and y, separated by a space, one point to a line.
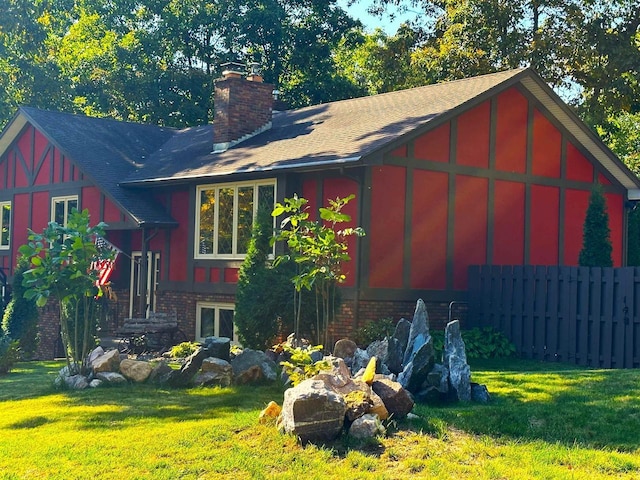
301 365
373 331
485 342
20 319
184 349
9 353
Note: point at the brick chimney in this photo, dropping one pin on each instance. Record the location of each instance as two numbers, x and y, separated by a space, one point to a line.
242 106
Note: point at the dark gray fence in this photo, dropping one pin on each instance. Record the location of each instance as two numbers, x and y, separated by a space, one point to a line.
587 316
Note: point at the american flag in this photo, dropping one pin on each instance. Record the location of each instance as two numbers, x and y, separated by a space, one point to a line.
104 267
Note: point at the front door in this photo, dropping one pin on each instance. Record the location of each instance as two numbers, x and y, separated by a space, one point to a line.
151 277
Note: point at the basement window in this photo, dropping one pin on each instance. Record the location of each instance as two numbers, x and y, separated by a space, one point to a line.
215 319
5 225
225 214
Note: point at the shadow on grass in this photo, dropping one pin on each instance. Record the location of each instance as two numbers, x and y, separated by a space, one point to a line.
552 403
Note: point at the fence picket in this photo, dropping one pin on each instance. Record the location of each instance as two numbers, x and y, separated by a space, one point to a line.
582 315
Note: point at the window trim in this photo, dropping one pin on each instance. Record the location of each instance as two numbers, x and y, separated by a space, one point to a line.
216 306
2 205
66 199
217 187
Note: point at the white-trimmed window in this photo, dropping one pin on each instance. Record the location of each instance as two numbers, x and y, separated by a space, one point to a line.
215 319
61 208
225 214
5 225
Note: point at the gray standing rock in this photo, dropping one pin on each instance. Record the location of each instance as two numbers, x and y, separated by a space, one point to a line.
76 382
455 359
416 371
396 399
218 347
313 412
135 370
109 362
95 353
419 330
359 360
395 355
161 372
252 366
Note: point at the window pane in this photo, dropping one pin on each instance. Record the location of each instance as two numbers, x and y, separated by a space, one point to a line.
226 323
266 197
206 322
58 212
71 206
225 220
207 220
245 217
6 223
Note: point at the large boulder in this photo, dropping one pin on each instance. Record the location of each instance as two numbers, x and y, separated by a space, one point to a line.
218 347
161 372
108 362
215 371
313 412
251 366
135 370
396 399
455 359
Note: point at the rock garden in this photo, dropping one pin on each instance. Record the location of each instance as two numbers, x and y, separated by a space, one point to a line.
353 390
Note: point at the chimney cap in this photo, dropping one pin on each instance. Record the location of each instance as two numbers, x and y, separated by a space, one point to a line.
232 69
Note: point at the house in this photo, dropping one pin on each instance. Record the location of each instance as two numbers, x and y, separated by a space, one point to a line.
494 169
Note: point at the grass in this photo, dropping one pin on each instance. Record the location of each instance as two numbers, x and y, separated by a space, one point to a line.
545 421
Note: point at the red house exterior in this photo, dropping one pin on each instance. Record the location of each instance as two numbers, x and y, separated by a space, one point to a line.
488 170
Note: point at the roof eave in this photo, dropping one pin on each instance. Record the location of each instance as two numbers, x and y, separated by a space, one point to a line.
292 166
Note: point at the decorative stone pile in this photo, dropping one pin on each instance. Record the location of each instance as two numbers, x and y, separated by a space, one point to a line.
210 365
352 397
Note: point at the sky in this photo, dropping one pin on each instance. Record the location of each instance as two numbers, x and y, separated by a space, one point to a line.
359 11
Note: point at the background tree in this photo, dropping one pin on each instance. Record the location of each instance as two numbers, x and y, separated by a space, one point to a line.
20 319
61 260
596 241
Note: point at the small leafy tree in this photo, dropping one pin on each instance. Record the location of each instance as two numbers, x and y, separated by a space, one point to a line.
20 320
319 249
61 260
596 245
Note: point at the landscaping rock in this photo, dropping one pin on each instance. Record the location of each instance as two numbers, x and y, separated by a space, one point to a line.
111 378
160 373
395 355
377 406
396 399
415 372
270 413
95 383
135 370
358 403
244 365
184 376
218 347
419 332
95 353
479 393
455 359
215 371
359 360
76 382
109 362
344 348
313 412
367 426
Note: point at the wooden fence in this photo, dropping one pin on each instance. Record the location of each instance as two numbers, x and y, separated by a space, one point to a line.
582 315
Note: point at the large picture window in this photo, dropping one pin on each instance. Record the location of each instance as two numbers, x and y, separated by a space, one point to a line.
61 208
215 319
5 225
225 214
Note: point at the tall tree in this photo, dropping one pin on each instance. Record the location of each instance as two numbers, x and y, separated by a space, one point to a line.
596 241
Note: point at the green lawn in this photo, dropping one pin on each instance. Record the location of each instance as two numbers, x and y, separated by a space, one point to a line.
545 421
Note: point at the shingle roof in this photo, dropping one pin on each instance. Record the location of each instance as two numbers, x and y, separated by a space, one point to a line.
344 131
107 151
